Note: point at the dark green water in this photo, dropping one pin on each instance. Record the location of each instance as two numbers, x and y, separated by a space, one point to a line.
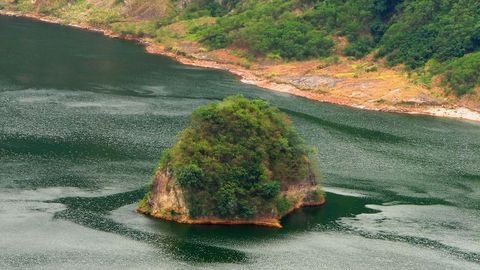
83 120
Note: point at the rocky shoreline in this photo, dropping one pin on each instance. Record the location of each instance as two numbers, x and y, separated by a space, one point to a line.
271 223
249 77
167 202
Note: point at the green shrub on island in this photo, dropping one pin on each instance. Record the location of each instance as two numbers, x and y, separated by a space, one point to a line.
236 157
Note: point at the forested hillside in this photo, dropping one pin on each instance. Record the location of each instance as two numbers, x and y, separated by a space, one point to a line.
412 32
432 38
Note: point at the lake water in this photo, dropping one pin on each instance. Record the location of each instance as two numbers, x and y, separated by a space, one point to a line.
83 120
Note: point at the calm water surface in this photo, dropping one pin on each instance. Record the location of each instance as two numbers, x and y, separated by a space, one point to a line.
83 120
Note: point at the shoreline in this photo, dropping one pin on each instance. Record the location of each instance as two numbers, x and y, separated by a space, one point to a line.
269 223
248 77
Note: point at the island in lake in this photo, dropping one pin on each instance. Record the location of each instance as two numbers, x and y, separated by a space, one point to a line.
239 161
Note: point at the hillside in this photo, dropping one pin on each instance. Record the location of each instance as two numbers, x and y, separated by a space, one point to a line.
376 54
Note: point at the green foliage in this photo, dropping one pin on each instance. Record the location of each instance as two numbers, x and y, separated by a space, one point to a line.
49 9
227 200
410 32
164 158
462 75
268 28
147 28
22 6
359 48
268 190
235 156
202 8
432 29
278 27
289 38
283 204
316 195
143 203
189 175
103 17
214 36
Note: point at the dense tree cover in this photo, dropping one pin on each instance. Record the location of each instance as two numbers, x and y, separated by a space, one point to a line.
461 74
299 29
438 29
446 32
235 157
409 32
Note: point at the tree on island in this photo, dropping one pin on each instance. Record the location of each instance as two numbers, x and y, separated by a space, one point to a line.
238 161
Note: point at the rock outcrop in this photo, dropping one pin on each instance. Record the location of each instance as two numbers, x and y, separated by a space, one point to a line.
238 162
167 201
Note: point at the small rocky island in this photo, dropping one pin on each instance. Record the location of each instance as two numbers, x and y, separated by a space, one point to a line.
239 161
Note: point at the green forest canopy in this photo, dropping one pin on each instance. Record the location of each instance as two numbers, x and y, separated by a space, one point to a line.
409 32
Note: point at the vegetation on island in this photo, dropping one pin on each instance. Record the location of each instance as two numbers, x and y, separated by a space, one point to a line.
234 159
428 37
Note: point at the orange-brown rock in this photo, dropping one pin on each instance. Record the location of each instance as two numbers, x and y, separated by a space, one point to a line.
167 202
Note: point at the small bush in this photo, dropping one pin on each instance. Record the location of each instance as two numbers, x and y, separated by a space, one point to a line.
103 17
141 29
283 204
359 48
189 175
144 203
268 190
227 200
316 195
462 75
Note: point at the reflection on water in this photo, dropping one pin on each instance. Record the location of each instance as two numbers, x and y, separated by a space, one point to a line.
198 243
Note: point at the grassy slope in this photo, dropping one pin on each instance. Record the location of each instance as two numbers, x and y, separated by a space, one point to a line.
242 37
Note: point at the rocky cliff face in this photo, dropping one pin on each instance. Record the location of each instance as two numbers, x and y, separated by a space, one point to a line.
167 201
